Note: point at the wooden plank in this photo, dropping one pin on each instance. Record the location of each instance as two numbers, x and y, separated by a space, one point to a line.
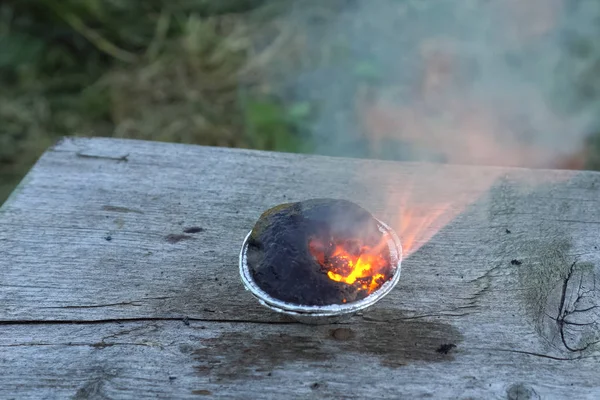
58 261
239 360
96 235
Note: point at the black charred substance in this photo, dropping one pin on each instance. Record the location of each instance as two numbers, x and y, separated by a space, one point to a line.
280 260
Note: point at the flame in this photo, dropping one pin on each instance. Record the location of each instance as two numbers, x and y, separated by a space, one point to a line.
422 214
417 227
445 120
352 262
423 208
419 201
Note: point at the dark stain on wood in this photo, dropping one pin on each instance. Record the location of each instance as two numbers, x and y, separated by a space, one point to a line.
202 392
176 238
237 355
521 391
446 348
342 334
193 229
93 389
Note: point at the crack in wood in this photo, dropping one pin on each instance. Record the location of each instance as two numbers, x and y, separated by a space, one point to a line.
561 308
123 158
30 286
50 237
143 328
530 353
584 310
124 320
97 345
134 303
385 316
564 312
119 209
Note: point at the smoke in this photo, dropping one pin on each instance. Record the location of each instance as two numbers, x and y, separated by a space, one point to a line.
484 82
468 81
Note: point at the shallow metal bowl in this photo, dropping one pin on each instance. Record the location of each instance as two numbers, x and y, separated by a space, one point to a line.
329 313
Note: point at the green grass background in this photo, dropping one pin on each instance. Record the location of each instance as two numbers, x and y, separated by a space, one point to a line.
188 71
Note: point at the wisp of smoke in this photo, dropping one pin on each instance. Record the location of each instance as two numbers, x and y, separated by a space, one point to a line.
466 81
485 82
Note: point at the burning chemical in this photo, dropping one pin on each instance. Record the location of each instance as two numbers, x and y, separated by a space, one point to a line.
351 262
319 252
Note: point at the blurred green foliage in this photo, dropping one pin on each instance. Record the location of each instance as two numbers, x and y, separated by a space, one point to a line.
190 71
157 70
269 124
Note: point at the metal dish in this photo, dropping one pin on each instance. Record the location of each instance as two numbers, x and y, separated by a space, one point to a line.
329 313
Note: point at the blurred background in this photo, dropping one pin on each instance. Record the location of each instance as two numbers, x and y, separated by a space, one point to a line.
482 82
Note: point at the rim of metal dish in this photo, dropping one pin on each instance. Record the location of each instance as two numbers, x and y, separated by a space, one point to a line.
267 300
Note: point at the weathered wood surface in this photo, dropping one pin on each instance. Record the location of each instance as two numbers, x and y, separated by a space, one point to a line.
97 276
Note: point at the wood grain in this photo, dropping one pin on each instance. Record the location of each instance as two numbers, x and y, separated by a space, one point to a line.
110 248
168 359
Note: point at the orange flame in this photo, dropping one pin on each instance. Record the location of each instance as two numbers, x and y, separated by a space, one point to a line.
422 214
418 227
445 120
351 262
422 199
